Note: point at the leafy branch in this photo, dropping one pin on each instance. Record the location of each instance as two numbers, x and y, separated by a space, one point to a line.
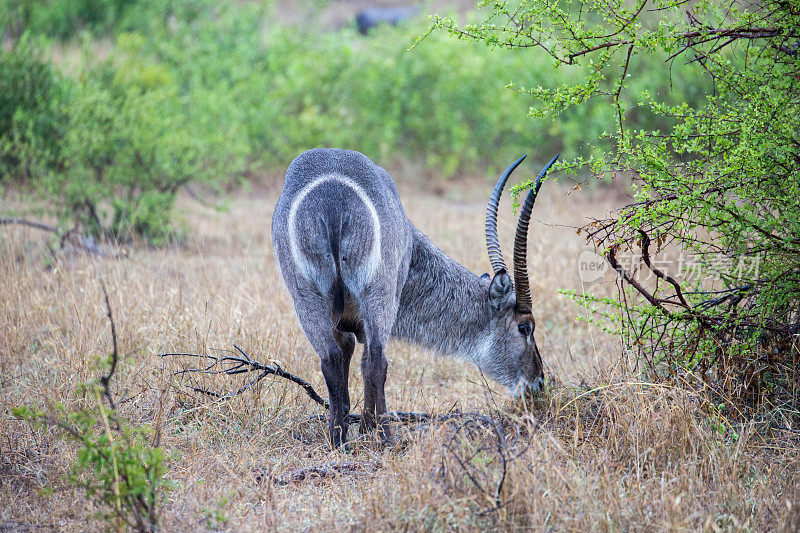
115 463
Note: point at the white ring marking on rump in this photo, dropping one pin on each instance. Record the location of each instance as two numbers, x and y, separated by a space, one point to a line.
374 259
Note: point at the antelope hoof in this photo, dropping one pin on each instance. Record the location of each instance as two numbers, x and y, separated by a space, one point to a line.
367 425
384 430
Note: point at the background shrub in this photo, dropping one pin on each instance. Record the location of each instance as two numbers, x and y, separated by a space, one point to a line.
33 120
62 18
196 90
717 181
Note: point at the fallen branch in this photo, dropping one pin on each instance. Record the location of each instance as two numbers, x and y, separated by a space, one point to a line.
30 224
81 242
411 417
239 362
321 471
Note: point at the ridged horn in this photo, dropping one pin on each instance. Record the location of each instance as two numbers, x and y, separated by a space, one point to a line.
492 241
522 284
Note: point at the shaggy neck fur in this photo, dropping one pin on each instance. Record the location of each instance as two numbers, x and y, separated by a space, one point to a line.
443 305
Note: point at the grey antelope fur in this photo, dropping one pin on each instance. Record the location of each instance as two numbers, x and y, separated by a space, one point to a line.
358 269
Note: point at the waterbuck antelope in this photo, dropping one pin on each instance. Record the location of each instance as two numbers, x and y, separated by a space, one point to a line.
358 269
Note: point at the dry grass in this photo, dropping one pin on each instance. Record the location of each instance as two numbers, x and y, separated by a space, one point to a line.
625 455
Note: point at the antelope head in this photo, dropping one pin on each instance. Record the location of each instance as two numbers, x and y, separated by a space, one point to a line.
513 358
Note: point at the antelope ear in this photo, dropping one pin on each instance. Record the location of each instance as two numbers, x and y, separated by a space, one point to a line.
486 277
500 291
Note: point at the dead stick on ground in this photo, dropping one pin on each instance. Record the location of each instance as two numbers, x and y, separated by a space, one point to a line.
80 242
30 224
239 362
325 470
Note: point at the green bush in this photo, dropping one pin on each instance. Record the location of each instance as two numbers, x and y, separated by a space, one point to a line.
437 103
216 89
718 181
32 117
61 18
115 463
131 145
110 149
290 90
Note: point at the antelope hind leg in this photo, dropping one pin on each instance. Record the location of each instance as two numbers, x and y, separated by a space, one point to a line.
373 369
336 381
347 343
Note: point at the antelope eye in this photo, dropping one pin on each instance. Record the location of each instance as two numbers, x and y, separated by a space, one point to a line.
525 328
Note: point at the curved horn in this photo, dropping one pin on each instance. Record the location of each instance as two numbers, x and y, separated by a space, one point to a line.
521 282
492 241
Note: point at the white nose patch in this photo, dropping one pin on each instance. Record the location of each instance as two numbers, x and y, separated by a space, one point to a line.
523 384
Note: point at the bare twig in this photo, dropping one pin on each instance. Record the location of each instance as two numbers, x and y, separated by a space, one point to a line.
707 34
659 274
479 474
105 381
611 257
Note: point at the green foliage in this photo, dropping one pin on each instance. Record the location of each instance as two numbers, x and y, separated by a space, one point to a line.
110 149
718 179
32 119
61 18
115 463
433 104
436 103
215 516
201 91
130 148
291 91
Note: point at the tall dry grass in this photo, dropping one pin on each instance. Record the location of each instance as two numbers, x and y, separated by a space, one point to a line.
602 450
